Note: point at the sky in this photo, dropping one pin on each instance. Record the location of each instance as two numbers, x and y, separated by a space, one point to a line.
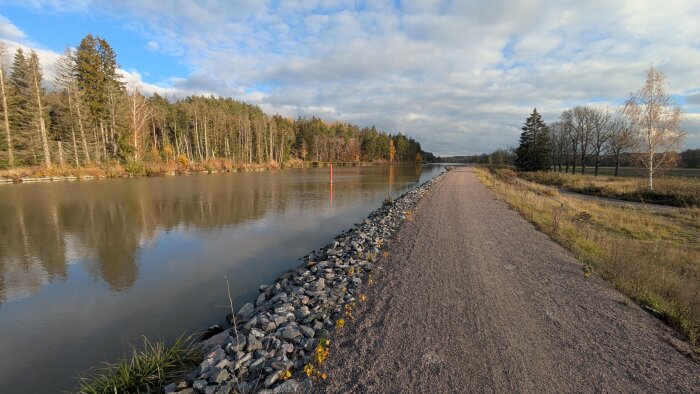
458 76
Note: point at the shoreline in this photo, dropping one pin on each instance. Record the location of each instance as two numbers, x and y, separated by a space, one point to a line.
119 172
278 343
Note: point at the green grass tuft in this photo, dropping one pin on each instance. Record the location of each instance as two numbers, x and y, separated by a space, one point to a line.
148 370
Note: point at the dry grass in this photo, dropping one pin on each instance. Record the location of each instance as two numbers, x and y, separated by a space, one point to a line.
136 169
652 257
675 191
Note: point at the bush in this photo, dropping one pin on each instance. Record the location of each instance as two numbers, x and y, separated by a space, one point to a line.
135 168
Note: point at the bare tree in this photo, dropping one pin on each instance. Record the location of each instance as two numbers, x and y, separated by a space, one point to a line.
10 156
601 121
140 114
35 70
655 119
583 120
559 144
567 120
65 81
621 140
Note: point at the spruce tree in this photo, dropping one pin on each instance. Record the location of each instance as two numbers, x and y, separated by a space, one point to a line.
533 152
22 113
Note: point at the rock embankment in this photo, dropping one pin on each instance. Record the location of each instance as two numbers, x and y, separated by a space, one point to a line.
276 336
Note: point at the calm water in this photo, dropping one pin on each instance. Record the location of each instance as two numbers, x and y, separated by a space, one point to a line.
88 267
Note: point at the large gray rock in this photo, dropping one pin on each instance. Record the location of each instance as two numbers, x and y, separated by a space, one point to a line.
290 333
245 311
272 379
237 343
307 331
218 375
253 344
261 300
200 385
241 361
288 387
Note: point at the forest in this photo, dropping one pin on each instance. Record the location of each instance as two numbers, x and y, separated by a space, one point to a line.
92 118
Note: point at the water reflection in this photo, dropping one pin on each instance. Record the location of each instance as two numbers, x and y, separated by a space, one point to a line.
152 252
44 227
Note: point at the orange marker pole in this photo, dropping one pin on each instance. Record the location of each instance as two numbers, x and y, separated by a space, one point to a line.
331 174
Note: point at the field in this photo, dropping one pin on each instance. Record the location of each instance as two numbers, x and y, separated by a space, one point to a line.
652 257
641 172
668 190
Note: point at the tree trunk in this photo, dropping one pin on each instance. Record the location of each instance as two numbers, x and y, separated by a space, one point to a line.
60 154
196 136
72 130
113 126
651 170
96 146
597 163
10 155
155 138
206 139
617 163
86 152
104 139
42 124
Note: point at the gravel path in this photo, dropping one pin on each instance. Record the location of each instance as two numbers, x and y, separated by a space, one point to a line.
473 299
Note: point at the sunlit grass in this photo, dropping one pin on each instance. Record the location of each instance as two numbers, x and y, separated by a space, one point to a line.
179 165
652 257
676 191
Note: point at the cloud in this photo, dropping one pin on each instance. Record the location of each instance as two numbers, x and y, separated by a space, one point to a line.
461 77
8 31
693 99
152 46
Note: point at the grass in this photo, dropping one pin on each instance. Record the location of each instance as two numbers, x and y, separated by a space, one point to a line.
140 169
148 370
674 191
652 257
641 172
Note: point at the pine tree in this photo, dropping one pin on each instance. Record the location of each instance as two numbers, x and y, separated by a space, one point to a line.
21 115
533 152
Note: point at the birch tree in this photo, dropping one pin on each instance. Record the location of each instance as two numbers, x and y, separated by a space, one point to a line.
140 115
655 120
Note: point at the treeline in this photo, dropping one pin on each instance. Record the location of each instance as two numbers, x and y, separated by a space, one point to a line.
92 117
646 127
689 158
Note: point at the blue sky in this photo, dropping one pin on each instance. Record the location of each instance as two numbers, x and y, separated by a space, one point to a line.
56 30
459 76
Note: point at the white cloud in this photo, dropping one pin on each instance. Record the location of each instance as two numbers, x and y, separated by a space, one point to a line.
459 76
152 46
8 31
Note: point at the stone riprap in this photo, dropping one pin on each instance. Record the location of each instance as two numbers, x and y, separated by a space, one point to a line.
281 329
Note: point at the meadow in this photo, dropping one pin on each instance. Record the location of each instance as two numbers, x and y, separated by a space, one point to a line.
679 191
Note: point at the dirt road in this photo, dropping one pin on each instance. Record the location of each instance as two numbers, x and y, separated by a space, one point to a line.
474 299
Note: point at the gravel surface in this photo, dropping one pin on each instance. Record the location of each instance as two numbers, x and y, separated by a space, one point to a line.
474 299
